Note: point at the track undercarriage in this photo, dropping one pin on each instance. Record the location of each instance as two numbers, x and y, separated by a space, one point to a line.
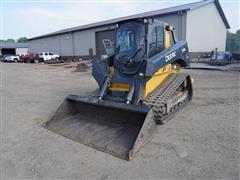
170 96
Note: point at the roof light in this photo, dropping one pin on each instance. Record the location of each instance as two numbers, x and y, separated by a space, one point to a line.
145 21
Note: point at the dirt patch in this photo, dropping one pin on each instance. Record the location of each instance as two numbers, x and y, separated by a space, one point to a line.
82 67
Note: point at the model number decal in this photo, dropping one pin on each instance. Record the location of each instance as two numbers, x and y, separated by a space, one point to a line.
170 56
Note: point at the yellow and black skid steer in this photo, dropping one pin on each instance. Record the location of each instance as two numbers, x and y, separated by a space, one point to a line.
140 85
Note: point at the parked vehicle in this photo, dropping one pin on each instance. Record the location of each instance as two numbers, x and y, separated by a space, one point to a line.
10 58
47 56
221 58
30 58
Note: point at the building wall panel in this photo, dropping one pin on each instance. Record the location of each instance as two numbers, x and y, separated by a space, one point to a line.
85 40
66 44
47 44
21 50
178 20
205 29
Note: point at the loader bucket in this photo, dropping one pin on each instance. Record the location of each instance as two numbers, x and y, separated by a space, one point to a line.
115 128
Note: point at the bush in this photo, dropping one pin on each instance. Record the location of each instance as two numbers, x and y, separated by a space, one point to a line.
233 41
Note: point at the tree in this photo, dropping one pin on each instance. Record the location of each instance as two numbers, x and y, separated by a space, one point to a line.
233 41
7 40
22 39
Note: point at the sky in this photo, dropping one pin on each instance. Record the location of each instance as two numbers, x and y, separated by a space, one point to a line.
32 18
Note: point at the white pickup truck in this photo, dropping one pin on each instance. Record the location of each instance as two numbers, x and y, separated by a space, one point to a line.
47 56
11 58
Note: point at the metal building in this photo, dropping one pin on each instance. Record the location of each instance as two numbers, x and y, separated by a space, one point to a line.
7 48
203 24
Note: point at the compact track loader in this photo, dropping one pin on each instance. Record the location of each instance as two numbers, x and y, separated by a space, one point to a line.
140 86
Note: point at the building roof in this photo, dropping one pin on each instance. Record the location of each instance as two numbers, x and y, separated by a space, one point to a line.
158 12
13 45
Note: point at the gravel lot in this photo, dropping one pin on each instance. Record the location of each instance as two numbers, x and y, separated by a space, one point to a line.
201 142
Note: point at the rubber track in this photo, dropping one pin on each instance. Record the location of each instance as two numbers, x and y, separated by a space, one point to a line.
158 98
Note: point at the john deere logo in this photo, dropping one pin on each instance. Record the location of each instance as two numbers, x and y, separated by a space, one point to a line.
170 56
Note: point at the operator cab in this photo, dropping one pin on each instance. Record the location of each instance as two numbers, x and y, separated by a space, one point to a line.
130 47
137 40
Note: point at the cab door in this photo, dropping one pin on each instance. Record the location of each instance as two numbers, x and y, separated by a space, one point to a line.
47 56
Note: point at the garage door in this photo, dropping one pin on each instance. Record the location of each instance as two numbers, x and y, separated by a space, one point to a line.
8 51
104 37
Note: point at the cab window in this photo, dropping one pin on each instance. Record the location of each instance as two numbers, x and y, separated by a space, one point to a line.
156 40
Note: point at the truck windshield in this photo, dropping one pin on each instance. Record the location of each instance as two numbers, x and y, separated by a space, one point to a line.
129 38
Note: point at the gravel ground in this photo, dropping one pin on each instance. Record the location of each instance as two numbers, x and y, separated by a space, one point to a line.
228 67
200 142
